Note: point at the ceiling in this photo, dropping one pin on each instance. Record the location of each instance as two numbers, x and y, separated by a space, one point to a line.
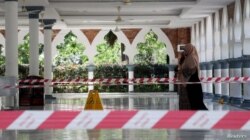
105 13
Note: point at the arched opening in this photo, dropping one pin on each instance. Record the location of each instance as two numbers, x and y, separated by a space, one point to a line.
80 38
161 37
109 62
70 62
151 51
108 51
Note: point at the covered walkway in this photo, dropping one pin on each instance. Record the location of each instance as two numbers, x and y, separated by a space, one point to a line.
219 29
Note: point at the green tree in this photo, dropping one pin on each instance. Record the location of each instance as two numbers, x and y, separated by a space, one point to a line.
109 51
151 51
2 58
108 55
70 52
23 51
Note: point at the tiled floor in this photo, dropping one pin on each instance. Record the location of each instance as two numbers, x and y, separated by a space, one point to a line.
141 101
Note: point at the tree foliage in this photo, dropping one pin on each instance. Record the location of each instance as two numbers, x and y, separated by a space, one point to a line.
2 58
151 51
70 51
110 38
23 51
108 55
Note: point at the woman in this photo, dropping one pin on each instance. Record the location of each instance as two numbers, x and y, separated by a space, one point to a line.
190 95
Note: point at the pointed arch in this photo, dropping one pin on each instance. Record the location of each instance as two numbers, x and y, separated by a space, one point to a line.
121 38
24 32
81 38
161 37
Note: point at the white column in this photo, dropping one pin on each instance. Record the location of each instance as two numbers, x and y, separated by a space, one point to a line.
34 43
48 74
11 32
217 39
246 51
235 88
203 74
171 75
197 43
91 69
225 86
231 39
217 86
11 51
246 86
224 34
209 72
237 29
47 58
246 40
34 48
130 76
209 39
193 37
203 43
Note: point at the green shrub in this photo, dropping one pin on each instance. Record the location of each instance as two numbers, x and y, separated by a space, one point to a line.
114 71
151 71
70 72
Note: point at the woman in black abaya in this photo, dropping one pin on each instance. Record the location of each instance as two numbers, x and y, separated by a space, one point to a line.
189 72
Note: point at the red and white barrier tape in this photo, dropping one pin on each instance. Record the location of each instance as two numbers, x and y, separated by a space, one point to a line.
121 81
192 120
135 80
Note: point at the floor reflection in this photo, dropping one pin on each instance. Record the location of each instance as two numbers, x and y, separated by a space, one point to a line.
118 134
132 102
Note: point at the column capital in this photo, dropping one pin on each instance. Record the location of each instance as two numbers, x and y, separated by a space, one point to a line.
245 61
224 64
48 23
34 11
235 63
217 65
91 67
223 61
130 67
246 64
171 67
203 66
209 65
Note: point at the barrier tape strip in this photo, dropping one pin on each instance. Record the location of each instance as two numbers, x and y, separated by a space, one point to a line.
72 120
135 80
121 81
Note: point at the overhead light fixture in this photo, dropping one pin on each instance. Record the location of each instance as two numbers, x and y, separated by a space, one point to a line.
127 2
118 19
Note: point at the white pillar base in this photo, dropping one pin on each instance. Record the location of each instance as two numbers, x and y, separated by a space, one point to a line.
91 69
130 76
